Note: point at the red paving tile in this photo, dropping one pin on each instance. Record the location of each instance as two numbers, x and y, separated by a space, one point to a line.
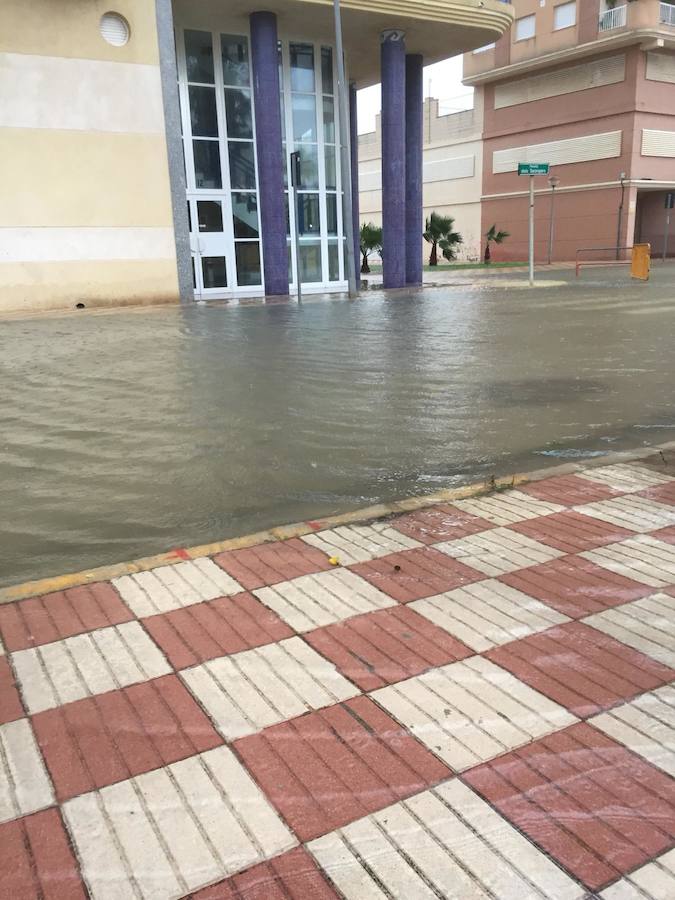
101 740
440 523
63 614
571 532
36 860
662 493
581 668
386 646
416 574
217 628
11 707
265 564
569 490
575 586
331 767
594 806
665 534
291 876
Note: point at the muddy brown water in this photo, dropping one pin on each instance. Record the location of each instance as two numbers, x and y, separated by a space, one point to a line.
131 433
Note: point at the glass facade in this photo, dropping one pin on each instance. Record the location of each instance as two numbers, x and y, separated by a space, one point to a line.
221 166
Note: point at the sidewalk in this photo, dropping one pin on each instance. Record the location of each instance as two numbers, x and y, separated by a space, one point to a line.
474 699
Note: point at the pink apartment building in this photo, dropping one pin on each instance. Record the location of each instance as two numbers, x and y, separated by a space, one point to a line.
588 87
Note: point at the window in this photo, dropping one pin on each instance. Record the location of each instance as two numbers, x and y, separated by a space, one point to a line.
484 49
564 16
525 28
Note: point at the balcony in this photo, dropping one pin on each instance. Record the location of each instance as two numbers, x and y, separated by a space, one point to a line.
667 14
614 18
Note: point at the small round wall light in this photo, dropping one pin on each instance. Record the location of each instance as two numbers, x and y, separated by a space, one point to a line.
114 29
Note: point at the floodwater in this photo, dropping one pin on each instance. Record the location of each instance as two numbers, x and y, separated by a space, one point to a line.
130 433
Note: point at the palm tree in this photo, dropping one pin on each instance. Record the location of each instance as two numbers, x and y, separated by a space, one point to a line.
439 233
371 241
493 237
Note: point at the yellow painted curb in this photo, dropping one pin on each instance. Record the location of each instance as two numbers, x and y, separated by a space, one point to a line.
285 532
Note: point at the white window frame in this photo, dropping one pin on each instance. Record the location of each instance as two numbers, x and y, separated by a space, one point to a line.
531 19
569 7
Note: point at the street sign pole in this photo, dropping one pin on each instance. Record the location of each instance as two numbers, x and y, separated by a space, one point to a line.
670 204
532 169
665 236
531 230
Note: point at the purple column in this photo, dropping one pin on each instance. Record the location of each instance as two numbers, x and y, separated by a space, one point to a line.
393 159
265 60
354 138
414 178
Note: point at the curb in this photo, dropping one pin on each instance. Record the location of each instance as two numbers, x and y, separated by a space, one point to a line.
284 532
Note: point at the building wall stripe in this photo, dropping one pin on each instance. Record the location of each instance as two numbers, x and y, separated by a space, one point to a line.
79 94
565 81
41 245
571 150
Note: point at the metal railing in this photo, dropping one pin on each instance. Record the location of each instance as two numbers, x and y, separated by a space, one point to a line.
667 14
602 262
613 18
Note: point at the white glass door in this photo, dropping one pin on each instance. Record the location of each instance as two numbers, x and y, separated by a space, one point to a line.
220 160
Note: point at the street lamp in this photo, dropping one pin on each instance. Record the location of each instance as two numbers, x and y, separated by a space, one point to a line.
553 181
622 179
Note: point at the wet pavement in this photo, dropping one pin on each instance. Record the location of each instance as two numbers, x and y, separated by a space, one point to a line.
475 699
130 433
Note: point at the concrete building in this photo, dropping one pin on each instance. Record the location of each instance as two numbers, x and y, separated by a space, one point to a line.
146 143
452 173
588 87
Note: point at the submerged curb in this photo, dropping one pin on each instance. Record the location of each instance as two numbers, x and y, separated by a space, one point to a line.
284 532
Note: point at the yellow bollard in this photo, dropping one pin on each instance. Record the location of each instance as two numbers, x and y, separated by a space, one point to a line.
640 262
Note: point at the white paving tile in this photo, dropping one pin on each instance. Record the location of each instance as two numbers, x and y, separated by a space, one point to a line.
249 691
508 507
25 785
312 601
498 551
172 587
627 477
471 711
642 558
646 725
647 625
654 881
488 614
634 513
176 829
446 842
360 543
87 664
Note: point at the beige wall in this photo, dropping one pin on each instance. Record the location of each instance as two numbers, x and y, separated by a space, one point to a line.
452 172
86 208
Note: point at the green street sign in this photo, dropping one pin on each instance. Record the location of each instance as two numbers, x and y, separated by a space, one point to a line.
533 168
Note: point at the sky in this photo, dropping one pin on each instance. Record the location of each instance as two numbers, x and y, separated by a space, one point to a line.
443 80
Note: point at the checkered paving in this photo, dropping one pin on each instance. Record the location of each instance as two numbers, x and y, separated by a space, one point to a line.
476 699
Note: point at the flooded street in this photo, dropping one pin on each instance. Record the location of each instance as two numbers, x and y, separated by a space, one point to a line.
130 433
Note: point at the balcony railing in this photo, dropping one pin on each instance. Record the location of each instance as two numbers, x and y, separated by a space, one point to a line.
613 18
667 14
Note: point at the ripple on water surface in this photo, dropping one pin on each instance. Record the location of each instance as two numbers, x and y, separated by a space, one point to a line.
130 433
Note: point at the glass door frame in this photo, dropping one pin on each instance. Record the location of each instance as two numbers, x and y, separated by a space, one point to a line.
225 192
325 284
